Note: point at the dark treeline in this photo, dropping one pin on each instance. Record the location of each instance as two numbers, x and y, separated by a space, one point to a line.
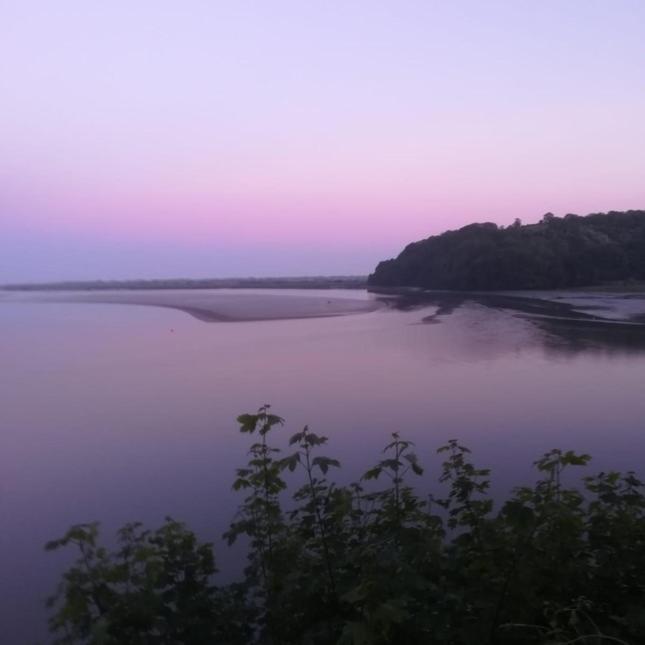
571 251
306 282
374 562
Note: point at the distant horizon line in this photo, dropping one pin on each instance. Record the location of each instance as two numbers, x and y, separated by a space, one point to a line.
161 283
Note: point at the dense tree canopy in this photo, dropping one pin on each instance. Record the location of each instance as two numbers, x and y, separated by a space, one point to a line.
570 251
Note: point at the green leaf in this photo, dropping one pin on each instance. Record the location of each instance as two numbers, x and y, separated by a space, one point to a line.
248 422
372 473
297 438
416 469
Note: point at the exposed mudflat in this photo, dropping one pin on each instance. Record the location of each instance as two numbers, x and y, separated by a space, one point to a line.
225 305
601 307
579 308
579 320
626 307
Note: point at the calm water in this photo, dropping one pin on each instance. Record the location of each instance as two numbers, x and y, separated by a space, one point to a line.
119 412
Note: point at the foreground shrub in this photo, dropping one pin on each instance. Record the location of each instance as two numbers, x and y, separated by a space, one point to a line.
374 562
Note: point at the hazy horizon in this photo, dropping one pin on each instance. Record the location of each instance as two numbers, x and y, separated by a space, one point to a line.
193 279
155 140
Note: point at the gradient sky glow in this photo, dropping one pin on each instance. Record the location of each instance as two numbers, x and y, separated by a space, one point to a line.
156 138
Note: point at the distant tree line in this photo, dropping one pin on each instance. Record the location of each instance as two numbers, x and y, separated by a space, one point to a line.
375 562
558 252
306 282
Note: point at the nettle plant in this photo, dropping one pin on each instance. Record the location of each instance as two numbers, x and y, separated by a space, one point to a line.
375 561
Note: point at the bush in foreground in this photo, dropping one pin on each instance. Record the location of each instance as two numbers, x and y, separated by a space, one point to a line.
374 562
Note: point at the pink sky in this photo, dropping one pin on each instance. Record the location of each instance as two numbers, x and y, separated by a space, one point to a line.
158 139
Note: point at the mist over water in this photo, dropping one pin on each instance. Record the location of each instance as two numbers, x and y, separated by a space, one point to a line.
115 412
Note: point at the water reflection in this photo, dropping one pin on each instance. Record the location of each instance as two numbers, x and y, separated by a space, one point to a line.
568 337
565 329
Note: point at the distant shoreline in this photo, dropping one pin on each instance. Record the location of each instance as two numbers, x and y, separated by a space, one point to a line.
627 290
316 282
302 282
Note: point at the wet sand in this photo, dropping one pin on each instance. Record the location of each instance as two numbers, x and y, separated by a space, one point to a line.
239 305
228 305
601 308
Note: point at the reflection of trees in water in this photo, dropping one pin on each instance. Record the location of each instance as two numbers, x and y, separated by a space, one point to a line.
565 330
572 337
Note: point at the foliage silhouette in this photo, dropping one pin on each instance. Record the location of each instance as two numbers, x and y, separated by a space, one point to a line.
374 562
571 251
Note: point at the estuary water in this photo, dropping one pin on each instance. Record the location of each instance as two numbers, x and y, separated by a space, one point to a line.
112 409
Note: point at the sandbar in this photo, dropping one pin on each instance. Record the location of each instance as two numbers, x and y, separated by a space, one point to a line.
230 305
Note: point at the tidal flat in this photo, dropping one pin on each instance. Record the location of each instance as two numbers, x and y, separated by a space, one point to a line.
224 305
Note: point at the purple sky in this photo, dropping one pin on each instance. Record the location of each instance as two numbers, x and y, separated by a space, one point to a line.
152 138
